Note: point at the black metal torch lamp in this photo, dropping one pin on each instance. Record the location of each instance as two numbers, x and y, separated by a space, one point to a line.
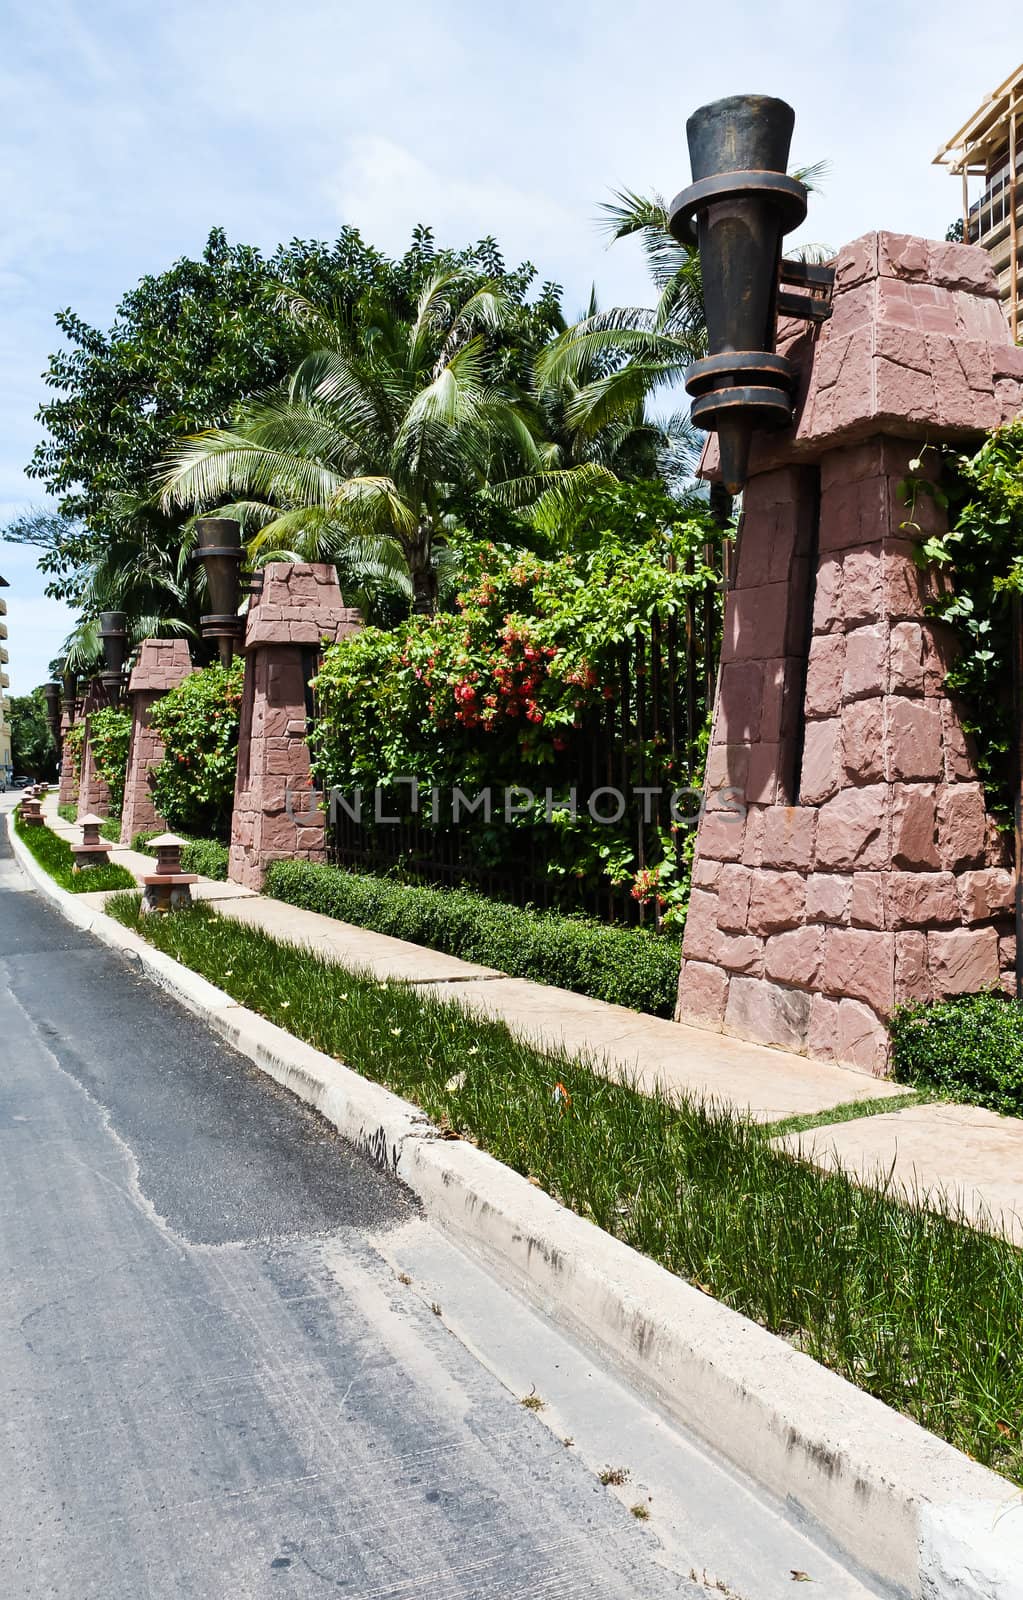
220 554
52 696
113 632
737 210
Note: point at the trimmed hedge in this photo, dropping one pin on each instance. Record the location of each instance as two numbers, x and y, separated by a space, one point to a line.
208 857
969 1049
626 966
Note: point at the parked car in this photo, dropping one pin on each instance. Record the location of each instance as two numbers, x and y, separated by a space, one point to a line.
21 783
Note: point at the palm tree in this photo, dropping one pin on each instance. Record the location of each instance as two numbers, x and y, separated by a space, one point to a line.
385 424
619 358
637 350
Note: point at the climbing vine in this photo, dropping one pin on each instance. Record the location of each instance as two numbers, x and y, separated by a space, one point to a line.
71 748
109 738
982 552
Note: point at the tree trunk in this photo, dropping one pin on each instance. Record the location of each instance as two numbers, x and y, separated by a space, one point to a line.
424 576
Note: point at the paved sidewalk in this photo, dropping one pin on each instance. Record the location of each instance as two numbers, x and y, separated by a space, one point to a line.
944 1156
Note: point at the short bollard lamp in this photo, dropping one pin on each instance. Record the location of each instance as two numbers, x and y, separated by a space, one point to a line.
93 851
738 208
113 631
30 811
168 888
219 552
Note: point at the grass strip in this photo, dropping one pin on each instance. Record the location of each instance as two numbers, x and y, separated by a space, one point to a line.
110 827
916 1308
850 1111
625 966
54 855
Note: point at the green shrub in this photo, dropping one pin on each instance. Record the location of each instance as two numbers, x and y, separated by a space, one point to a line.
68 813
514 688
626 966
969 1049
193 787
109 738
54 855
208 857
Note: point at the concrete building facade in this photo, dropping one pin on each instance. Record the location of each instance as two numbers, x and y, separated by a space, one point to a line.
989 145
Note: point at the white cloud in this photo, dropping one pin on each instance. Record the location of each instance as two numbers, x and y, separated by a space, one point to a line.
384 190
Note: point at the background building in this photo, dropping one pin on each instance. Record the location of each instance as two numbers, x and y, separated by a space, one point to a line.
5 682
989 145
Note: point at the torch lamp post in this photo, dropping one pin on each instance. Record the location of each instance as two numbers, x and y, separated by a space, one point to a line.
738 208
52 696
220 554
69 694
113 631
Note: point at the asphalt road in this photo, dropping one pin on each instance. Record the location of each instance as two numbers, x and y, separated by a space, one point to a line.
223 1373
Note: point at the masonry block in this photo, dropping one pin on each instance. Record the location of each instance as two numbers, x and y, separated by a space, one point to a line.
963 960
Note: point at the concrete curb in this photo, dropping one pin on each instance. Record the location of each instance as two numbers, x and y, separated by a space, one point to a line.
908 1508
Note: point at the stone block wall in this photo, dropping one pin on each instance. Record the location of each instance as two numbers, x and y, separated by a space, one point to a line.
67 794
161 665
93 791
885 880
846 861
276 816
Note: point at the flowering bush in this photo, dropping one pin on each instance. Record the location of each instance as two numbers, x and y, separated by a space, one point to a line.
193 786
514 688
109 738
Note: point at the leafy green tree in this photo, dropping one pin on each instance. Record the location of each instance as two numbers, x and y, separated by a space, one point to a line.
32 749
389 426
615 362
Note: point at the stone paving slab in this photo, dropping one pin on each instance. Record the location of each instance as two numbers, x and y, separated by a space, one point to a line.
678 1058
971 1157
376 953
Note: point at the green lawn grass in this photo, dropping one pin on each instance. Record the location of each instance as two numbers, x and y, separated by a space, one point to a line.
110 828
54 855
916 1308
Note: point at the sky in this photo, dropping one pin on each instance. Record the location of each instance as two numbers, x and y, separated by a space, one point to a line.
130 131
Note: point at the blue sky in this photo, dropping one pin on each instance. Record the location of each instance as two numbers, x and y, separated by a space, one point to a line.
130 130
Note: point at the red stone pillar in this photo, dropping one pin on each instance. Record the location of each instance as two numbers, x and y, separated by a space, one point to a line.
162 664
93 792
67 795
856 867
299 608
